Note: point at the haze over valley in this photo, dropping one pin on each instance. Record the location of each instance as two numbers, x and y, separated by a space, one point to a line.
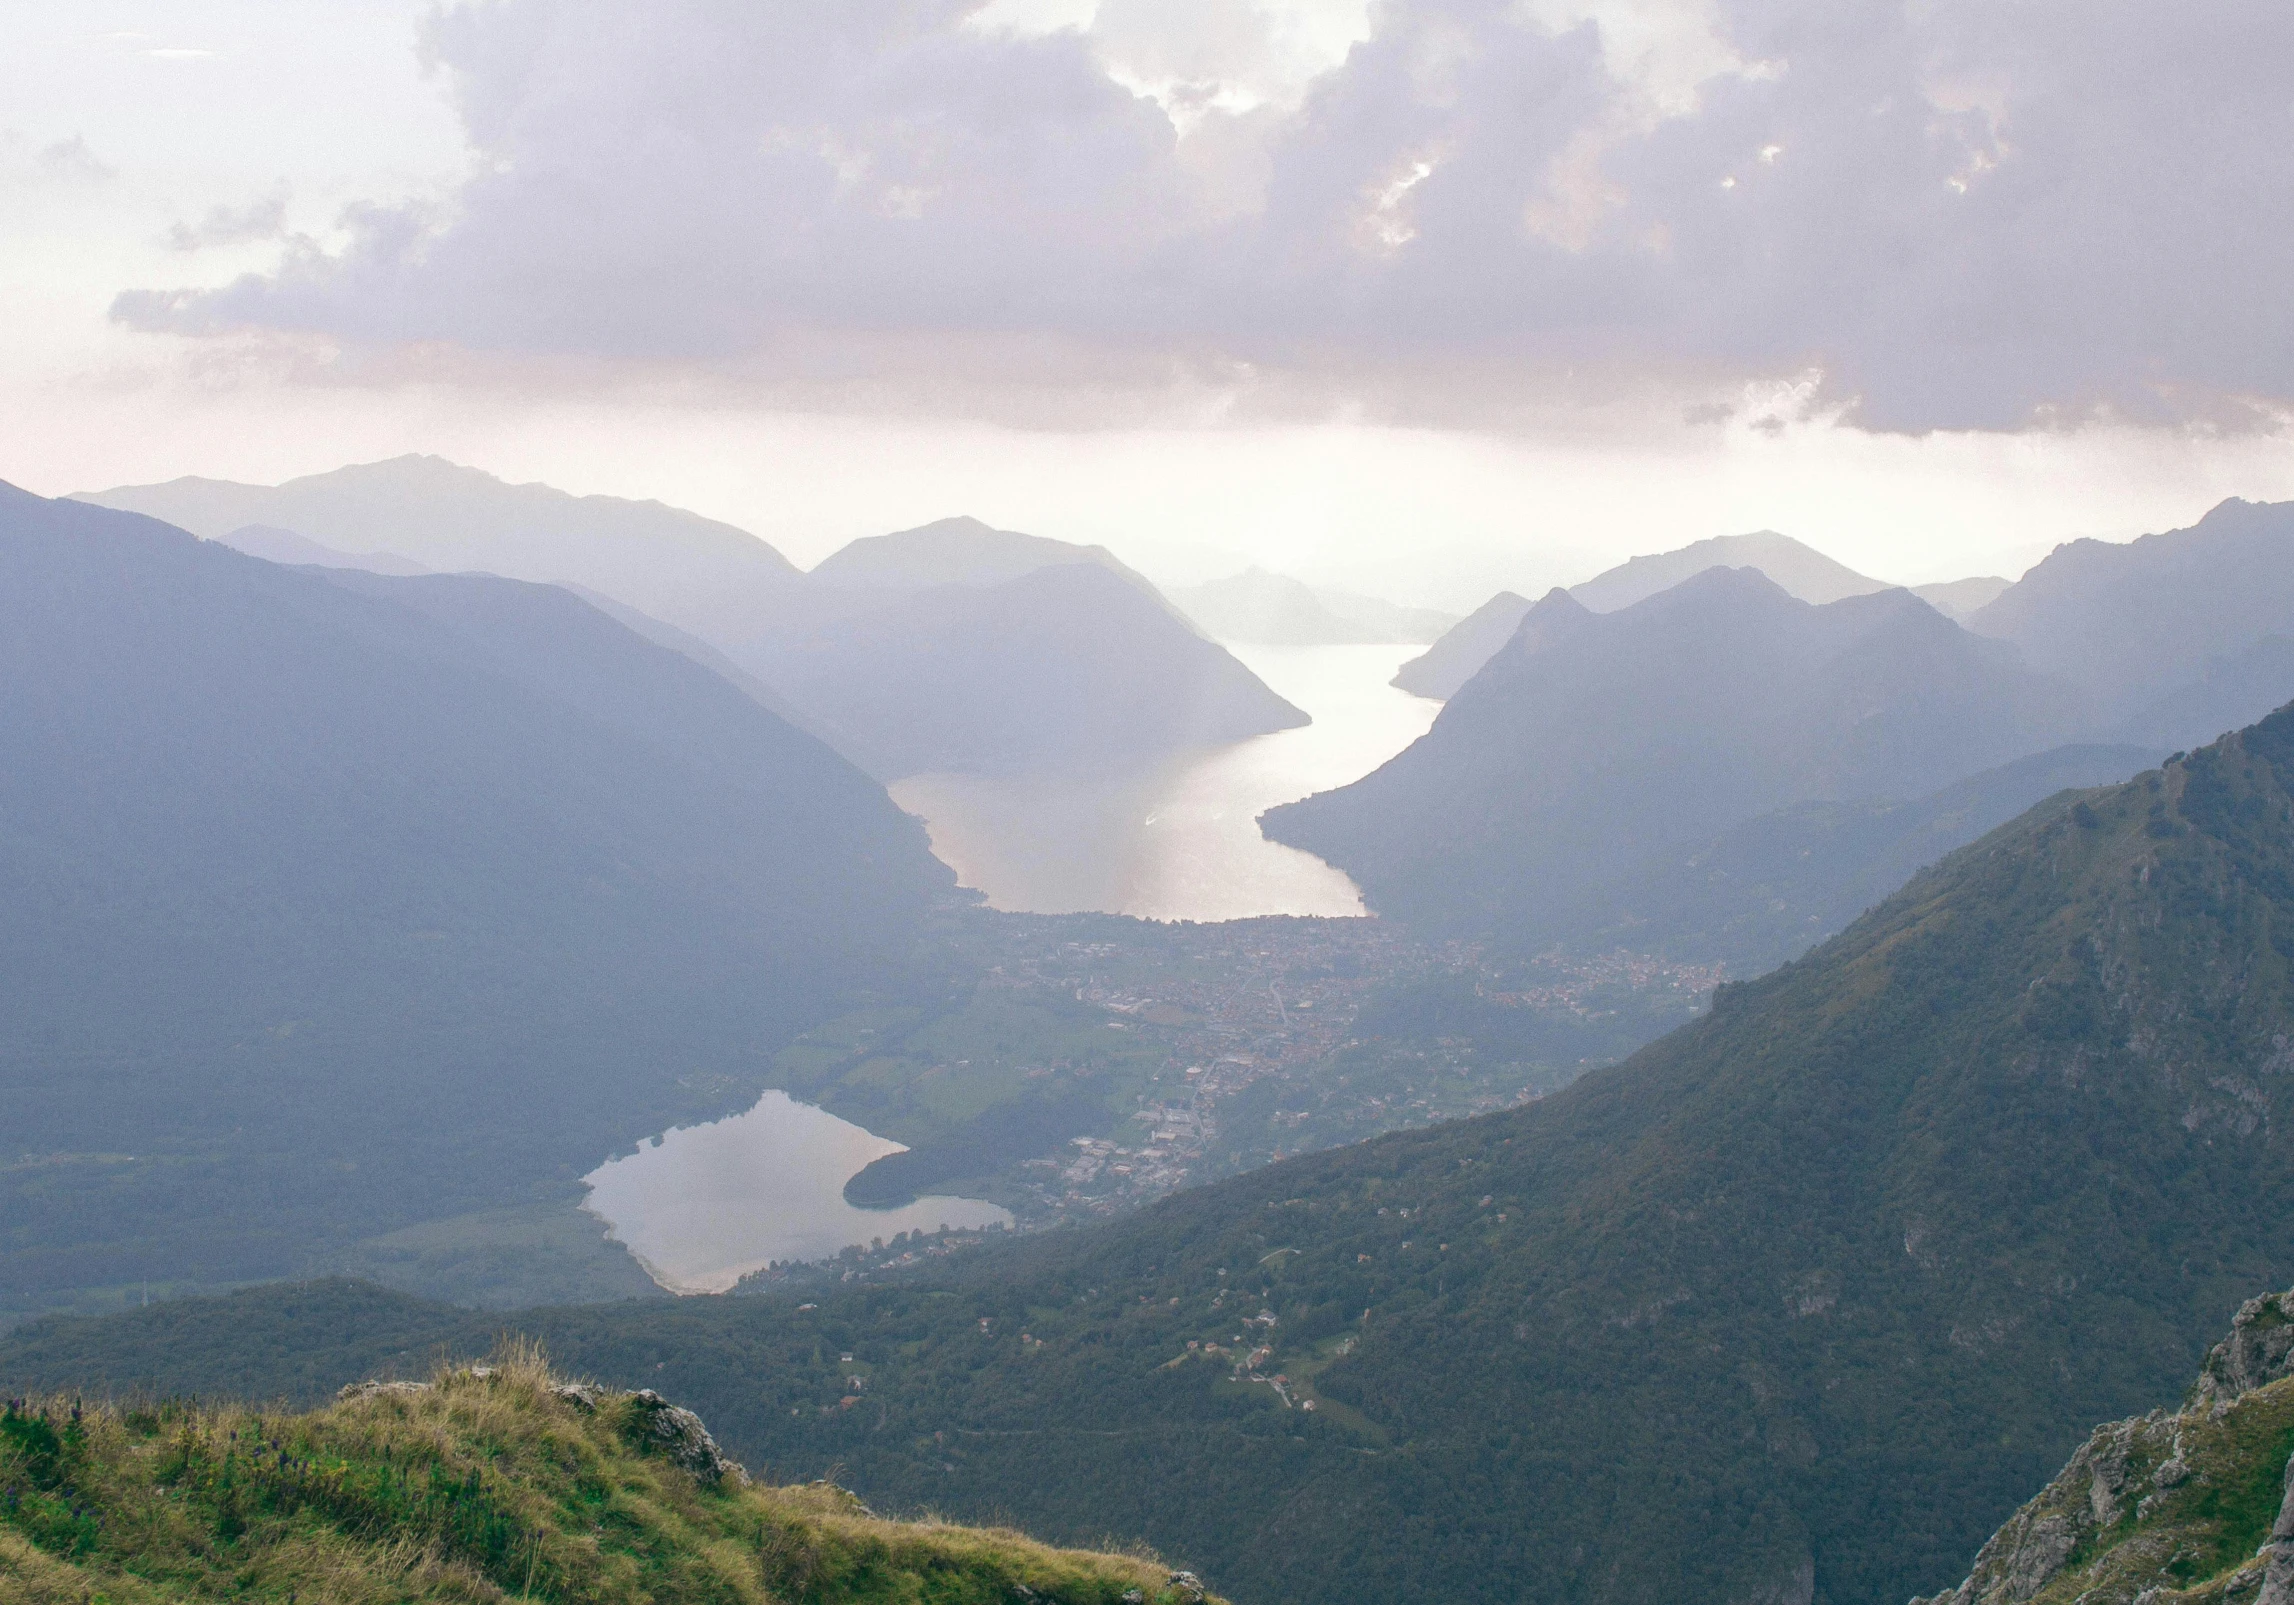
1090 804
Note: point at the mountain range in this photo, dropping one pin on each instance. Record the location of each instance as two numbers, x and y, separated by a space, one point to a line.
1799 568
941 647
712 579
336 902
1594 741
2172 638
2123 651
1796 1304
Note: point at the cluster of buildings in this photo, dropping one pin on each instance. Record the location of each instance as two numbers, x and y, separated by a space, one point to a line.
1274 1005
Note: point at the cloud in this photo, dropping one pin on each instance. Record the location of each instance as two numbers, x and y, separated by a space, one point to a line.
66 161
1954 214
265 219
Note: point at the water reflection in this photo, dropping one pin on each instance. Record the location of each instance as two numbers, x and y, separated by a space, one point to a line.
702 1206
1181 841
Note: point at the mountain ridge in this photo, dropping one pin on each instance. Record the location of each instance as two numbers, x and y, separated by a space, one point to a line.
1799 569
306 867
838 645
1592 741
2131 623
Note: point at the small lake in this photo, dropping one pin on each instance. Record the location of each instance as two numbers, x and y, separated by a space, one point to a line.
702 1206
1181 841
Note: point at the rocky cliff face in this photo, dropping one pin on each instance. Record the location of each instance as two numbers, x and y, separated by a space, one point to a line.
2186 1508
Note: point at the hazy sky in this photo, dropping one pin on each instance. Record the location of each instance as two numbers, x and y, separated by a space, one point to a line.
1429 296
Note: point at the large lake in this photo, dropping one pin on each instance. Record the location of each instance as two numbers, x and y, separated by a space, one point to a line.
1181 842
702 1206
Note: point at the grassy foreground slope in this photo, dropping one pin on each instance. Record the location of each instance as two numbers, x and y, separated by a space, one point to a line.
488 1483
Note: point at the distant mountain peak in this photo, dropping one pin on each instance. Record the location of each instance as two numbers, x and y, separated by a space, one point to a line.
962 550
960 524
1458 655
1798 567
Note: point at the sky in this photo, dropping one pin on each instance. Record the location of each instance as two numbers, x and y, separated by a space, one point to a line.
1424 297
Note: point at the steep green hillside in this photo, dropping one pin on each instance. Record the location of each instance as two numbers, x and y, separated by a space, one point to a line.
1794 1305
2190 1507
489 1483
330 909
1766 891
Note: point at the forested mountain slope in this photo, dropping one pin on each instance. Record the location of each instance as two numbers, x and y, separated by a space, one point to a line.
1594 742
330 907
1795 1305
1764 892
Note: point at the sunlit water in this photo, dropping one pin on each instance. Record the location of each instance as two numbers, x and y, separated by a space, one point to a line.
702 1206
1182 841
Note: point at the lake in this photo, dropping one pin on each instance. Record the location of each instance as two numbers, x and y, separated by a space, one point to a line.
1181 841
702 1206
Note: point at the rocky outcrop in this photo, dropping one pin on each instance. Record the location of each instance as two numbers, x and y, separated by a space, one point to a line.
2161 1509
2278 1569
2259 1350
653 1422
671 1430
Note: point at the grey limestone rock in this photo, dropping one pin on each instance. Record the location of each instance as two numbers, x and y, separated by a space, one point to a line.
1189 1588
2091 1493
582 1396
2026 1554
2278 1575
678 1433
2259 1350
374 1388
